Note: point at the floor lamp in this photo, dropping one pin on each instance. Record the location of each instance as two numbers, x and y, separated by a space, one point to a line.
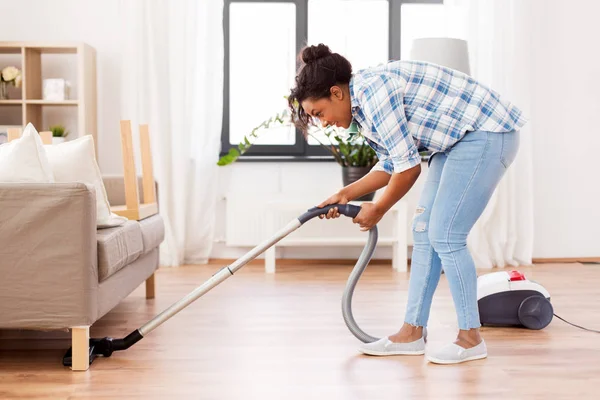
448 52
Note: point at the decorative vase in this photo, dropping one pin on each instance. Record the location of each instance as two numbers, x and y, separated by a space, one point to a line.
3 91
57 139
352 174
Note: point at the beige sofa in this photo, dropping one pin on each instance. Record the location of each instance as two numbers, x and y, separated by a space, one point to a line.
58 271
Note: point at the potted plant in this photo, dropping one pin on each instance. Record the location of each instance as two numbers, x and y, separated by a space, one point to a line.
10 76
352 153
348 148
59 134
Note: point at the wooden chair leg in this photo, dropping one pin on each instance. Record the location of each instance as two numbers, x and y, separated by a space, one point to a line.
147 170
150 287
80 341
131 183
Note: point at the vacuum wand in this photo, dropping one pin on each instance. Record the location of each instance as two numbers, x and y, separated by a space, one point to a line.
106 346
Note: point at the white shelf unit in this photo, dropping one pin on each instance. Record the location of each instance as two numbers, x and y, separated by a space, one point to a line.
29 105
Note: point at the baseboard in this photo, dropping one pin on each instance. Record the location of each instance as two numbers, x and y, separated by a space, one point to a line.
341 261
296 261
566 260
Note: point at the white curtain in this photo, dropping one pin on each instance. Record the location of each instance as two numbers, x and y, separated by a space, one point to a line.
172 79
500 52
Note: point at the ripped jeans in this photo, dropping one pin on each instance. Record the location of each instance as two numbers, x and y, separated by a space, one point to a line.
459 185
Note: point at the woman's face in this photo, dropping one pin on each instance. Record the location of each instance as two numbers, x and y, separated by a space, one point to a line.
333 110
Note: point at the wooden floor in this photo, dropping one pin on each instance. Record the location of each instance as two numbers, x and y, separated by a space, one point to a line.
282 336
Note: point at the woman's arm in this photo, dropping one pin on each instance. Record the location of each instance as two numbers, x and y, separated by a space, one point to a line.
397 187
371 213
369 183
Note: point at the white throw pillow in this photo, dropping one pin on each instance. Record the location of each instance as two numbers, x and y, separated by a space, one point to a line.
24 159
75 161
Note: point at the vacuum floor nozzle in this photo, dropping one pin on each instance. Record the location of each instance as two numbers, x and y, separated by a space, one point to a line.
105 347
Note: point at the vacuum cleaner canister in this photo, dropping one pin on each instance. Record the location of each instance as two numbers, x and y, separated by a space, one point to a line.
510 299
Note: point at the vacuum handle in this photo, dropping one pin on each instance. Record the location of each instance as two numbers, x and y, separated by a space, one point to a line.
348 210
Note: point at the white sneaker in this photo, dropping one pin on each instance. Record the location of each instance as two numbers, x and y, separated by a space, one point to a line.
385 347
454 354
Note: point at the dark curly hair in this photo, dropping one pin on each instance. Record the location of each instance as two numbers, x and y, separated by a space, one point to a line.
321 70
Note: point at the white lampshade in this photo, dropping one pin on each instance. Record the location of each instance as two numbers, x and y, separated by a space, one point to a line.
448 52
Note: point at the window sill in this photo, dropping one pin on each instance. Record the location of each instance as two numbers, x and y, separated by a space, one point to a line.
272 159
285 159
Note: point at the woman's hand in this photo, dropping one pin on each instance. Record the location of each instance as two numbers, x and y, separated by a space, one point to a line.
338 198
370 214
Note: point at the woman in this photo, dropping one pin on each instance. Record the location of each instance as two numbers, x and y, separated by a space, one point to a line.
402 107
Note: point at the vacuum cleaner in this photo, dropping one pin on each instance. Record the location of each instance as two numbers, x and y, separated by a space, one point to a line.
504 298
106 346
508 298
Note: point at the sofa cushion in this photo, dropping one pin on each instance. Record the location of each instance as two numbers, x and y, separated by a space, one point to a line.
24 160
75 161
118 247
153 232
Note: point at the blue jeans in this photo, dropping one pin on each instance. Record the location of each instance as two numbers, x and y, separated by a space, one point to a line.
458 187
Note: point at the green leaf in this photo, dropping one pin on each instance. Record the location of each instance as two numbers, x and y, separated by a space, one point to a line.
228 158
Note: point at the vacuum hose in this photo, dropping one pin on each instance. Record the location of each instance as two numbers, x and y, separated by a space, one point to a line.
351 211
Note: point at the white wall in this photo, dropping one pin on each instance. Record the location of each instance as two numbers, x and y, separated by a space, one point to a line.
566 103
93 22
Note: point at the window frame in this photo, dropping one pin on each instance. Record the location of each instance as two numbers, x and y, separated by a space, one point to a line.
301 150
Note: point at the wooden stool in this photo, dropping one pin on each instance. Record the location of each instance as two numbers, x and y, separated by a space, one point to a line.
133 208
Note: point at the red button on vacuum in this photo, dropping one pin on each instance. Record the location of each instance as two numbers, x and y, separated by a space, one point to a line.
516 276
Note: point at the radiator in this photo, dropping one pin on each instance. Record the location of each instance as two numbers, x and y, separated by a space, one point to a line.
246 222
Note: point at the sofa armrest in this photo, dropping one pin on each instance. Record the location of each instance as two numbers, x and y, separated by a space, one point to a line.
48 255
115 189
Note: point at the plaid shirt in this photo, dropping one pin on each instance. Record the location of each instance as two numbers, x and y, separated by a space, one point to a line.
405 106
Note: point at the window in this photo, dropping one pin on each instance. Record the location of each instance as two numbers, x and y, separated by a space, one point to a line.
263 37
261 68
